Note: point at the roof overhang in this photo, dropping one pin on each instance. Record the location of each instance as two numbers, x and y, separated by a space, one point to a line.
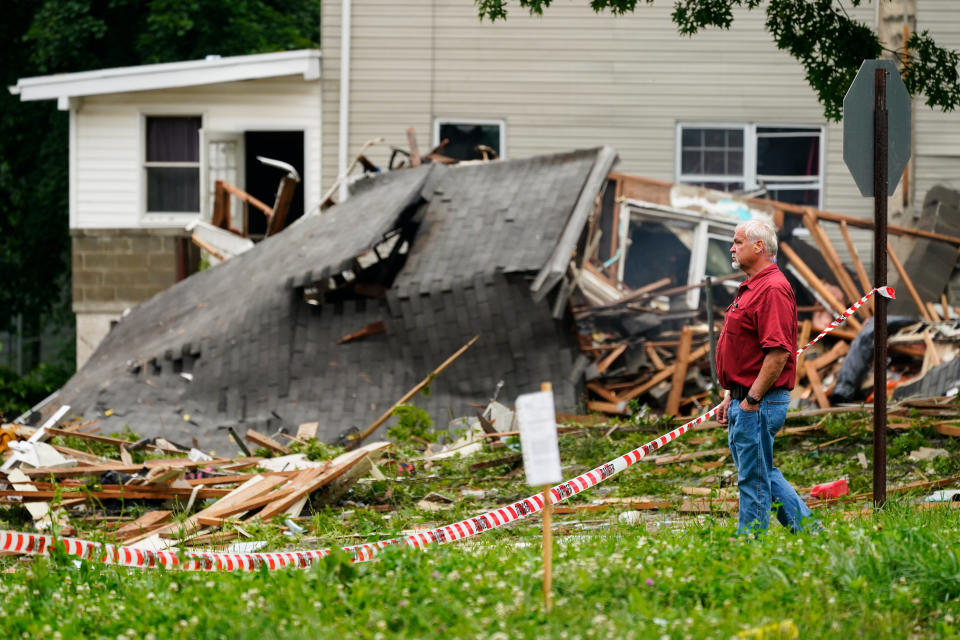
170 75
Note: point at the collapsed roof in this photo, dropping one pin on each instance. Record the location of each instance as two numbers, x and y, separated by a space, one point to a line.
436 254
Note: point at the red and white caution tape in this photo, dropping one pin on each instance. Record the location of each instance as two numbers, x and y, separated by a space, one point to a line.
37 544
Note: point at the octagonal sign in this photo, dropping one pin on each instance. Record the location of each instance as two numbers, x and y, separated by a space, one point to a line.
858 136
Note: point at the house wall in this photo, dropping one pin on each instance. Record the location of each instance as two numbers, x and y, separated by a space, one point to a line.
122 257
936 134
568 79
110 148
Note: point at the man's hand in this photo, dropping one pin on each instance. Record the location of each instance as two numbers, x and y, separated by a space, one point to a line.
722 411
746 406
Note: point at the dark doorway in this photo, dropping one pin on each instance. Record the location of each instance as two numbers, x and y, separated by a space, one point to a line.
262 181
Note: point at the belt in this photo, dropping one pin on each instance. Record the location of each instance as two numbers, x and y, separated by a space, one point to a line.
739 392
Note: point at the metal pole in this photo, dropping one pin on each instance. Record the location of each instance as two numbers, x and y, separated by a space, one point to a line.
710 332
880 278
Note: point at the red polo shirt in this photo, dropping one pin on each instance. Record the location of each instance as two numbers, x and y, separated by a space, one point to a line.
763 316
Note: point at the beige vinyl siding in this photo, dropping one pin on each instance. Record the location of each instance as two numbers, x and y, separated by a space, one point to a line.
109 170
568 79
936 133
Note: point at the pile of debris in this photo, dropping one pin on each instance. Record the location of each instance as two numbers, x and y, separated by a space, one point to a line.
651 301
63 486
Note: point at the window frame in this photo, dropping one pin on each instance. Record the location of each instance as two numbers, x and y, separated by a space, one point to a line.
167 218
500 122
749 177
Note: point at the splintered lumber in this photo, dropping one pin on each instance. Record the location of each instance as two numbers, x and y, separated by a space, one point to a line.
602 391
933 312
838 350
655 357
804 338
833 260
680 371
619 408
947 429
265 441
180 463
930 358
371 329
231 504
662 375
908 283
857 264
814 379
817 284
609 359
363 435
306 483
684 457
115 492
52 431
147 523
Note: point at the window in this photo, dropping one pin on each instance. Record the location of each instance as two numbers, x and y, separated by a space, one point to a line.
172 164
785 161
468 139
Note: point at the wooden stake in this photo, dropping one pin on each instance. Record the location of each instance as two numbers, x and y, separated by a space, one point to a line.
547 534
680 372
908 283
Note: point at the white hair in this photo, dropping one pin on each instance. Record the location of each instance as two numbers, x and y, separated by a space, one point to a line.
757 229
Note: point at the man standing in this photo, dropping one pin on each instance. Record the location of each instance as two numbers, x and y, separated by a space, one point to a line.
757 364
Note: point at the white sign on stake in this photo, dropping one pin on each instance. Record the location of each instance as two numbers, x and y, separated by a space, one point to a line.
538 438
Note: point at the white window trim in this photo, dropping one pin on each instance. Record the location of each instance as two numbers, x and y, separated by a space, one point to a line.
750 178
160 218
500 122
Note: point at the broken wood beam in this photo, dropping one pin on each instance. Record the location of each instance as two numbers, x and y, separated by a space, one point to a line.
817 284
814 379
265 441
610 358
371 329
857 263
829 254
679 371
363 435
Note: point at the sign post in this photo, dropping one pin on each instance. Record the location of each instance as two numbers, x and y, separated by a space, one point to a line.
541 461
876 146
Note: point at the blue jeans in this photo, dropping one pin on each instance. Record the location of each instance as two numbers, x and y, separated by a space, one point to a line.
761 484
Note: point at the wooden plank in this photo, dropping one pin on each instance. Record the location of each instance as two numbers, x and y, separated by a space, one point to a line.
415 160
662 375
253 488
53 431
684 457
371 329
680 371
308 483
618 408
817 284
908 283
307 430
96 470
265 441
637 505
946 307
930 358
814 378
947 429
148 522
932 310
829 253
610 358
655 357
838 350
857 264
602 391
804 338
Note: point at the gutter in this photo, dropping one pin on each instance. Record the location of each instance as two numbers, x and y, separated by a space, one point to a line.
345 11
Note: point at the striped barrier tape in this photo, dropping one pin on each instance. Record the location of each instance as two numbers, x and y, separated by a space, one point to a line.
39 544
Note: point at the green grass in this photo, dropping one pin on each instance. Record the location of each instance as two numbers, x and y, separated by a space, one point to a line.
893 575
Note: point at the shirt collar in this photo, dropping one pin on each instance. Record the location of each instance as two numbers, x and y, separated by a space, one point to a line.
763 273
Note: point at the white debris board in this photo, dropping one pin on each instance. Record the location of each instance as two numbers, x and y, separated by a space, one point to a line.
538 438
